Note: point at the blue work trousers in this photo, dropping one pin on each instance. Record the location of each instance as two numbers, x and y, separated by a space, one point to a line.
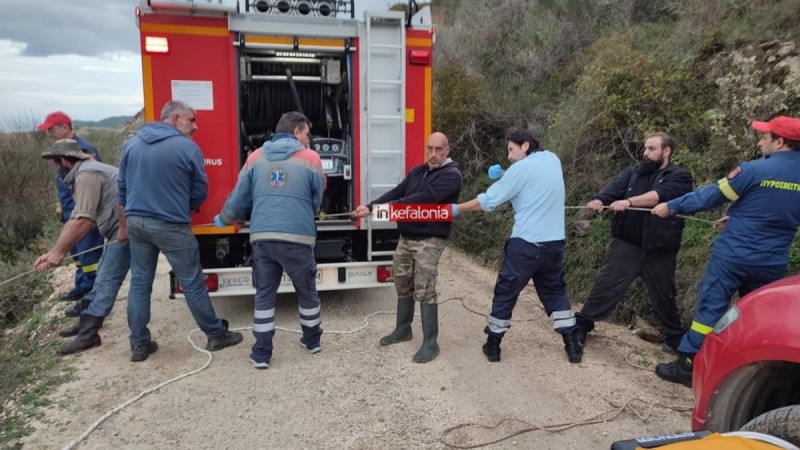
147 237
270 260
522 262
722 279
113 268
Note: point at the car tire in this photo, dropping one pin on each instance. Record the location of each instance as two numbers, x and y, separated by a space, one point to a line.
783 423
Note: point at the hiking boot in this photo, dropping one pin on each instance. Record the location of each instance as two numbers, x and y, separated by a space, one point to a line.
585 326
261 365
572 346
492 348
402 331
71 330
141 352
75 294
678 371
666 348
87 336
78 308
227 339
430 331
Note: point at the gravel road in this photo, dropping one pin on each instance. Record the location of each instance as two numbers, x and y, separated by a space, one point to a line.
356 394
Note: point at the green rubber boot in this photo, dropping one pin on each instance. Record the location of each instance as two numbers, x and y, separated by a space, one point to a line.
430 331
405 315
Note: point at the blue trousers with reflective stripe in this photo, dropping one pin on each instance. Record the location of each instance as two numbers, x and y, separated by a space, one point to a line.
522 262
87 269
270 260
722 279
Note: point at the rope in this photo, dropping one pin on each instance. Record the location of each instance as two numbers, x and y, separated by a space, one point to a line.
65 258
602 417
711 222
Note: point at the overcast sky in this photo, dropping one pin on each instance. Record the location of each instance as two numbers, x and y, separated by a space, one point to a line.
78 56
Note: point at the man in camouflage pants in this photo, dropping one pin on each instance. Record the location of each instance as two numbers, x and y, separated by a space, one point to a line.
416 260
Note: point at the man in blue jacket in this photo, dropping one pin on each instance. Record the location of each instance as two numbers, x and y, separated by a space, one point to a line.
753 248
534 185
280 187
161 181
59 126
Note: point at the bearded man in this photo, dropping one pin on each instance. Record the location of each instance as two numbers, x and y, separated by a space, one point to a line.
643 245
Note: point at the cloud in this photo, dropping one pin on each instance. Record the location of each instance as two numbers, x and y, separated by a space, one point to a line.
85 27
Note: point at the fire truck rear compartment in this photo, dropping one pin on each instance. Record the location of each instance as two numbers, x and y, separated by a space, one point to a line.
273 82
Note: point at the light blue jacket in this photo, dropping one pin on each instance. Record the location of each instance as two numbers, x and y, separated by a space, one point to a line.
280 187
535 187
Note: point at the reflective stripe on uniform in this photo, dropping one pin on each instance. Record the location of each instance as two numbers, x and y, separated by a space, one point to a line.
90 268
263 327
310 323
498 326
264 313
700 328
727 190
309 311
563 319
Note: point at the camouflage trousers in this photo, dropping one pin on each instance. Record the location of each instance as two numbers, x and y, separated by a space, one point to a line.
416 267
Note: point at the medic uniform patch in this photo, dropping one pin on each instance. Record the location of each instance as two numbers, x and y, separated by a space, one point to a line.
277 178
734 173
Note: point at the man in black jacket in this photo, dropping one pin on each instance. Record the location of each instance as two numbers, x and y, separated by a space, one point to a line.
643 245
416 260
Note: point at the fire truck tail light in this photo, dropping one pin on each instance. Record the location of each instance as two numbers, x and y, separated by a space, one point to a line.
384 274
156 44
419 57
212 284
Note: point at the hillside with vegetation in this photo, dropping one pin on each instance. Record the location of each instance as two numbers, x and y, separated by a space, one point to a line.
592 78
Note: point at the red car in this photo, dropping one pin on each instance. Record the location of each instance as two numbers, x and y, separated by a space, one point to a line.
747 373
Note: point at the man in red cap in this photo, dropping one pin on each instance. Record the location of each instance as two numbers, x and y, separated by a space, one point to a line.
58 125
753 248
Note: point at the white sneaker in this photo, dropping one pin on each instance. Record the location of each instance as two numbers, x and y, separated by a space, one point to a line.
259 365
312 350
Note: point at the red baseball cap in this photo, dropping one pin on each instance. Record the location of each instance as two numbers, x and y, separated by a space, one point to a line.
782 126
54 118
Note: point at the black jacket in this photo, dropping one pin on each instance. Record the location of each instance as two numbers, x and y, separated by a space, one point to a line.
421 185
641 228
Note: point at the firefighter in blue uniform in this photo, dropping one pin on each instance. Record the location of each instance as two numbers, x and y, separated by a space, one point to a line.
753 248
59 126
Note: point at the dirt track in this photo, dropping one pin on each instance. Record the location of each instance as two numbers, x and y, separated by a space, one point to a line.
356 394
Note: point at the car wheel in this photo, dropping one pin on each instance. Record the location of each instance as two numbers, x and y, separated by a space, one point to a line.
783 423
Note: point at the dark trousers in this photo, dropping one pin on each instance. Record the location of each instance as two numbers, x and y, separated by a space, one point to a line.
522 262
623 264
270 260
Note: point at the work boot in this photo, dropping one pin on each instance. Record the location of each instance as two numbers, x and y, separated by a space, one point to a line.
678 371
584 327
75 293
430 331
142 352
71 330
87 335
227 339
78 308
492 348
405 315
572 346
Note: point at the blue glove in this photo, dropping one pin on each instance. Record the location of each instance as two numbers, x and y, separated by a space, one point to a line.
218 221
495 172
454 209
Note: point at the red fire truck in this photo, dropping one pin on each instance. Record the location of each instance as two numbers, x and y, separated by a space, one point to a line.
365 83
